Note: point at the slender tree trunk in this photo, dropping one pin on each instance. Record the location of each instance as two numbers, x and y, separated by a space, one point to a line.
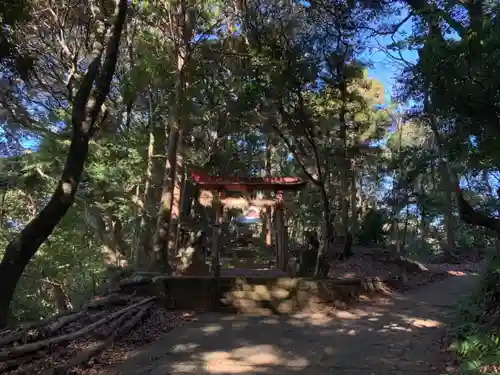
188 200
344 207
159 259
327 235
396 208
144 246
449 219
345 162
424 224
110 237
137 227
183 24
405 230
2 205
446 182
87 105
434 167
354 204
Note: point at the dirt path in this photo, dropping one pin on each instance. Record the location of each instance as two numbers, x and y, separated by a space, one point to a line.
392 337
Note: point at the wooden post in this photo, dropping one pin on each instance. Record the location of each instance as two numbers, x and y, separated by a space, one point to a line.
267 225
215 264
279 238
281 258
180 202
276 235
284 241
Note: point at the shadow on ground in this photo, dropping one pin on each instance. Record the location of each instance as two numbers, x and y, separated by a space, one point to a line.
401 335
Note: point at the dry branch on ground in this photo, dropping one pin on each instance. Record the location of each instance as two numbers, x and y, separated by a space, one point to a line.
17 351
44 349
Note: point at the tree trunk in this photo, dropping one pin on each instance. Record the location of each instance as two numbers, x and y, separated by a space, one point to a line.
344 204
188 200
144 246
87 105
159 259
449 219
107 229
405 229
183 25
345 162
424 225
446 182
354 204
322 266
396 208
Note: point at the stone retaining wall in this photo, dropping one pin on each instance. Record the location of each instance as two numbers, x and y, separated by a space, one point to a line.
264 295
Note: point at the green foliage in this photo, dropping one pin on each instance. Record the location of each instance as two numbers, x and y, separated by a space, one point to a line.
372 228
475 329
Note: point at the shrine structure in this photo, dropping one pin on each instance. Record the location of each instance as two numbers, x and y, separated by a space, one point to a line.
235 192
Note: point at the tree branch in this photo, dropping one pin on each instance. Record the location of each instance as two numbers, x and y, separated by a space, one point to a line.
291 148
473 216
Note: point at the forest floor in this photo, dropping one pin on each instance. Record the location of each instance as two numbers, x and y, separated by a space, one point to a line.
136 339
390 336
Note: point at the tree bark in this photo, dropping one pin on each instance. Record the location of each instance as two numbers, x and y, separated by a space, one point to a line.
449 219
143 249
345 162
159 259
405 229
446 182
183 26
87 105
354 203
322 267
344 196
396 208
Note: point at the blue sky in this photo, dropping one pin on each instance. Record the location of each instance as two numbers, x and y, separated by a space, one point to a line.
385 69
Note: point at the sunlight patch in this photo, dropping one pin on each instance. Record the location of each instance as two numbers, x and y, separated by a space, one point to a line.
179 348
345 315
319 319
249 359
457 273
395 327
424 323
212 328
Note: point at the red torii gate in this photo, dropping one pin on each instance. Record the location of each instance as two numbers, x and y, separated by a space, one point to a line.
247 183
212 190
